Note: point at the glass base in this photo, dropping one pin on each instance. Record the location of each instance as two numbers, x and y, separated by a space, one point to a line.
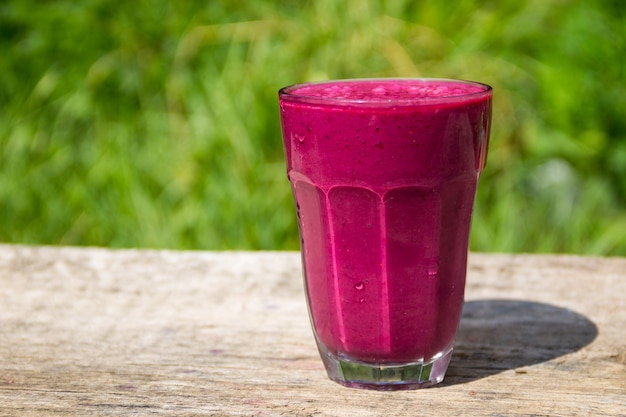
385 377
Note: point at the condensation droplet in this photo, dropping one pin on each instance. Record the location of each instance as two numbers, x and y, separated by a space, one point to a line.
359 286
433 269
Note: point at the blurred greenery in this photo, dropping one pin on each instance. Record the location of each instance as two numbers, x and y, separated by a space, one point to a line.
154 123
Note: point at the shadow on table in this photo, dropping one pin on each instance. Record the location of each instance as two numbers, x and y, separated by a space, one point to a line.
499 335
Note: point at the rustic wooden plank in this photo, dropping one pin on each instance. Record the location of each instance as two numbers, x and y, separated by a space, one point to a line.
96 332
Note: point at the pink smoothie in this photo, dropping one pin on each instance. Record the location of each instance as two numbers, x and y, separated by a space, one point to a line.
384 175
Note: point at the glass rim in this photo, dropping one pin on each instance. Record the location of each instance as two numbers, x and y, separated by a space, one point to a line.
287 93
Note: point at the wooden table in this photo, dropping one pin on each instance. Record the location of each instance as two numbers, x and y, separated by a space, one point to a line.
90 332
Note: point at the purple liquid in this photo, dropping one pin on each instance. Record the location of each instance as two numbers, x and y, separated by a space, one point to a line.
384 174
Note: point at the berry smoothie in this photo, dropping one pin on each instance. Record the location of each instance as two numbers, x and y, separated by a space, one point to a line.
384 174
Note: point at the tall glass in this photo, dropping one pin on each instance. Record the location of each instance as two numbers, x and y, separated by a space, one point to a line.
384 173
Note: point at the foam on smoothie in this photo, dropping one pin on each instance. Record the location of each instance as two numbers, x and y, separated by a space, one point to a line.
376 90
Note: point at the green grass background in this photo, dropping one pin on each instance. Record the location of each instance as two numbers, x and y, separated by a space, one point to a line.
155 123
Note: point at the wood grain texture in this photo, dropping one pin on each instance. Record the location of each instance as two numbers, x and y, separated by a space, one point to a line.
95 332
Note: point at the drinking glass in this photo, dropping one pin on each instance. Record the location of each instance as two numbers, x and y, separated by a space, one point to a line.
384 174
